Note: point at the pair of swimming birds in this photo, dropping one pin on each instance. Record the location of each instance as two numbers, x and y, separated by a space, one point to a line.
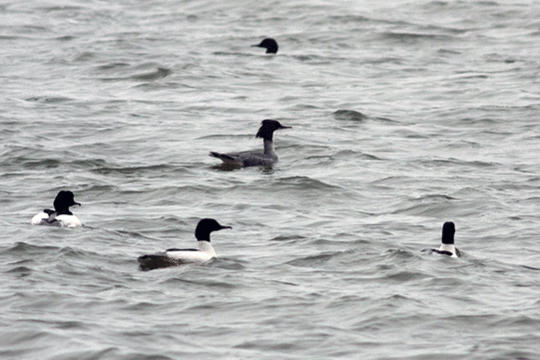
61 215
205 251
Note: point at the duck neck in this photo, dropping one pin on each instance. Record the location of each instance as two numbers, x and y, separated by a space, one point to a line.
269 147
206 247
448 247
448 238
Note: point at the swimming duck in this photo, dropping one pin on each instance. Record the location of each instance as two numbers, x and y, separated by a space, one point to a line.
270 45
60 216
447 247
250 158
175 257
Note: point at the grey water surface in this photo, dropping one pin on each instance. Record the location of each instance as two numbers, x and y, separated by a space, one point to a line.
404 115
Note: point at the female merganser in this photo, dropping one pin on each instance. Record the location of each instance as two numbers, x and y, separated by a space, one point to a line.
60 216
175 257
249 158
270 45
447 246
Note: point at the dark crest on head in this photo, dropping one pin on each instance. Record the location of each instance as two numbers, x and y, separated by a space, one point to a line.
268 127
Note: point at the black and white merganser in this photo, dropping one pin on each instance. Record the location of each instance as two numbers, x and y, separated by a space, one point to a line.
175 257
250 158
447 247
270 45
60 216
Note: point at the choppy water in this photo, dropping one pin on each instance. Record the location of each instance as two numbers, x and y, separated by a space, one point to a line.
404 115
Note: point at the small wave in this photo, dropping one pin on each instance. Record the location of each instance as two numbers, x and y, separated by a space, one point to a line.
429 205
400 254
22 247
471 76
350 115
27 162
54 8
132 170
36 164
343 19
12 37
311 261
405 276
306 183
85 56
305 58
319 259
65 38
412 36
288 238
153 75
453 161
33 29
448 51
49 99
348 154
384 60
20 270
228 264
528 267
112 66
205 283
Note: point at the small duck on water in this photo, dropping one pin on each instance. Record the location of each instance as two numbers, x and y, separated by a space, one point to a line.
269 44
175 257
251 158
447 247
60 216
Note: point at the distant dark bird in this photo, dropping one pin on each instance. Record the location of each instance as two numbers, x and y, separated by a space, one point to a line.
447 247
175 257
250 158
60 216
270 45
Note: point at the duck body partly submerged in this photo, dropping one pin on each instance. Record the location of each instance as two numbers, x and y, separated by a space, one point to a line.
447 242
174 257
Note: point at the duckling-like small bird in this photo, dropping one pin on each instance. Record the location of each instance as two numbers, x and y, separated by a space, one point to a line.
175 257
270 45
60 216
250 158
447 247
